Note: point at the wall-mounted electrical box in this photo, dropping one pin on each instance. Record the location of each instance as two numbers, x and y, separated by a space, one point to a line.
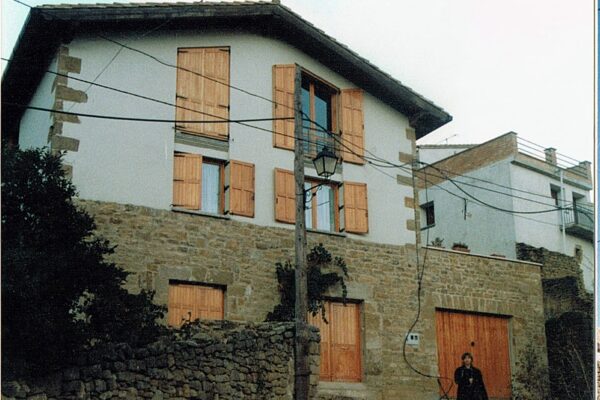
413 339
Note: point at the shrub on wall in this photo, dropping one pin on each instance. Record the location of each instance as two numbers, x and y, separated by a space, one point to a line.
59 293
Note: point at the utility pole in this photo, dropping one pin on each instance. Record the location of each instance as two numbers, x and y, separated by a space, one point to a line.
301 368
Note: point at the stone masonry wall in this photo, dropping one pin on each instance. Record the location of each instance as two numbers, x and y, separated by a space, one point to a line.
219 360
157 246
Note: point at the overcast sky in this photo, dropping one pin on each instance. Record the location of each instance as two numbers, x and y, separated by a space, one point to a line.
495 65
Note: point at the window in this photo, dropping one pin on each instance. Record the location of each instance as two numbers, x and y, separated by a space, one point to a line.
322 207
213 186
191 301
429 214
324 104
317 103
555 193
203 91
341 355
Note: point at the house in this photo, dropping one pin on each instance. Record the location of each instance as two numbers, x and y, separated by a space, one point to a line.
506 191
201 212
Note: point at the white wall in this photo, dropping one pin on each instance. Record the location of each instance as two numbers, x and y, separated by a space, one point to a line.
484 230
35 125
544 229
131 162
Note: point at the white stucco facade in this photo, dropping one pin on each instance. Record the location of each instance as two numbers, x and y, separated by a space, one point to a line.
520 194
132 162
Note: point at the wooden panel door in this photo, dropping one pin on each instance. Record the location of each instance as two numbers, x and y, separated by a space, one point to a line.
484 336
188 302
340 342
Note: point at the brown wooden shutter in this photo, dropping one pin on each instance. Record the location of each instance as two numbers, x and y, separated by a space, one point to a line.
187 180
241 186
283 96
285 196
205 91
484 336
356 213
353 133
340 342
190 302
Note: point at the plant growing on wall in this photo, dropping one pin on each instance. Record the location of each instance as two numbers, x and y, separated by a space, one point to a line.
59 293
437 242
321 276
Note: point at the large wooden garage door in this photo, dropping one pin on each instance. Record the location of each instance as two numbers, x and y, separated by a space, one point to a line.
484 336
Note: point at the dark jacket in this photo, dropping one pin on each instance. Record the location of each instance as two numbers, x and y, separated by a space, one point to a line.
474 390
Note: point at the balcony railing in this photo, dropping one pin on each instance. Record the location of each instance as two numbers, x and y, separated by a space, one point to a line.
579 220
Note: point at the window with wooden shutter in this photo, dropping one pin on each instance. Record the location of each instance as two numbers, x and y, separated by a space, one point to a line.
340 342
189 302
283 97
353 135
241 186
203 91
187 180
356 212
285 196
483 335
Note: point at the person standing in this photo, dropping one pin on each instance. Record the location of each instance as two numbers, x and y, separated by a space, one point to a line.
469 380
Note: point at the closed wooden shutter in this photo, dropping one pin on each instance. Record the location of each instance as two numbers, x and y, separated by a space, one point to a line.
283 96
353 133
340 342
484 336
242 188
356 213
188 302
206 91
187 180
285 196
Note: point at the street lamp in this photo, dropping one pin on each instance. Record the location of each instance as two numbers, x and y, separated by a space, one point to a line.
325 162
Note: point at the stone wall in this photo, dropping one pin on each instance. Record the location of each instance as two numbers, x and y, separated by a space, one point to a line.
158 246
217 360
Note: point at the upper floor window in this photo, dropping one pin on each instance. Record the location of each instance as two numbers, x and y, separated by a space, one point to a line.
324 205
322 211
213 186
428 212
338 111
203 91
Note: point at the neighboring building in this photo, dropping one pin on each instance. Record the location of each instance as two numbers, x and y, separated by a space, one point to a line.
515 179
202 212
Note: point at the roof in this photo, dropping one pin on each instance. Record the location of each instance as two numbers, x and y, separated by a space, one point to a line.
49 25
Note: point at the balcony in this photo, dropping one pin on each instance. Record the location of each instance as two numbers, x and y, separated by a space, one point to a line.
579 220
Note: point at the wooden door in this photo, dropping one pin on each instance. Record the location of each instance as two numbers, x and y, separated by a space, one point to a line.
188 302
340 342
484 336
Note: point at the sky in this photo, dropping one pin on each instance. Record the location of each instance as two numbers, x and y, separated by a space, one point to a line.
496 65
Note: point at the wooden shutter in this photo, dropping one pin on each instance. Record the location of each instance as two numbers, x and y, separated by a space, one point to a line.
203 95
189 302
241 186
353 132
484 336
285 196
340 342
356 213
283 96
187 180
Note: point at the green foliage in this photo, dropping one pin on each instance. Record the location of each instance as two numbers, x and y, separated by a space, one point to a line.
59 293
320 278
437 242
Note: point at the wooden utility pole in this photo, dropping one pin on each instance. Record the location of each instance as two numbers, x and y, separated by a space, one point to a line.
301 368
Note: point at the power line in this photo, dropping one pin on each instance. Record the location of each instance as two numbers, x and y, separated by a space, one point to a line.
119 118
